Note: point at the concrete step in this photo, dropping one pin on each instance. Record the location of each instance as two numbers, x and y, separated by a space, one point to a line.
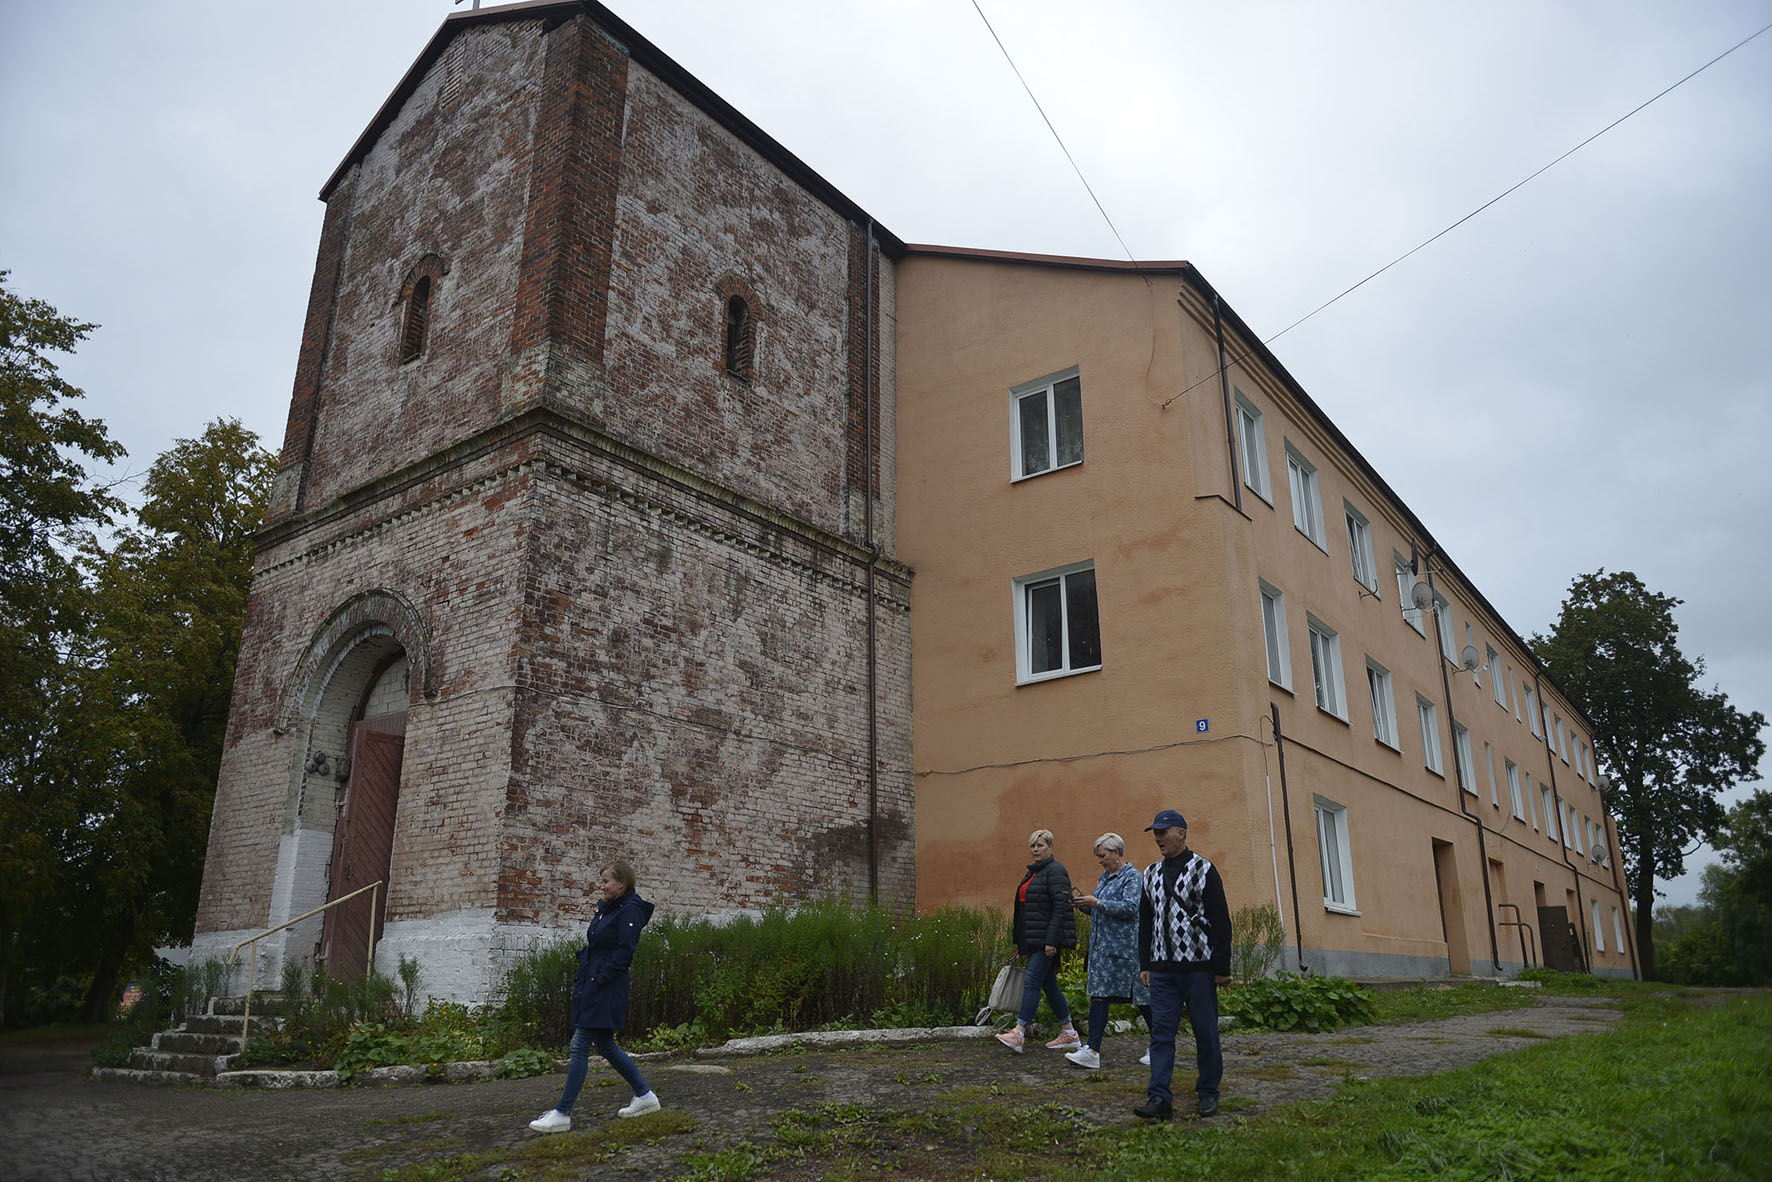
142 1059
229 1024
262 1003
137 1076
190 1042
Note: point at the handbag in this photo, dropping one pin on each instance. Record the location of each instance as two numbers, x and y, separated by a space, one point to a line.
1006 993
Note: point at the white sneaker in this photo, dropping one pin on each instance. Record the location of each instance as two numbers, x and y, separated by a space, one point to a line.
551 1121
1144 1060
1084 1057
641 1105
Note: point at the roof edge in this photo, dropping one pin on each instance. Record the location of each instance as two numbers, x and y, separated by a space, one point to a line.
1075 262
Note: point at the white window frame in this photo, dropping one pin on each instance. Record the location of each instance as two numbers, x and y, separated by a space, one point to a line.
1429 716
1568 825
1326 674
1526 793
1274 635
1489 762
1599 933
1513 691
1252 438
1513 789
1618 929
1359 546
1461 752
1405 586
1548 802
1384 705
1024 674
1307 497
1335 857
1532 711
1448 638
1587 763
1497 687
1028 390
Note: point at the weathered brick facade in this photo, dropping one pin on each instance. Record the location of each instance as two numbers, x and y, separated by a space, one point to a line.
631 590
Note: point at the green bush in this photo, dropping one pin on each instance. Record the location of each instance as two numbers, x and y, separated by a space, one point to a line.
537 993
1290 1002
1257 938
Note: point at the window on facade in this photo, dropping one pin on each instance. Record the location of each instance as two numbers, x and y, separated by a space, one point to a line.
1599 933
1587 763
1326 668
1405 586
1273 626
1549 809
1048 424
1461 751
1489 762
1568 825
1384 704
1531 710
1497 687
740 338
1057 623
1448 639
1430 735
1359 546
1618 930
1338 863
1570 754
418 320
1513 691
1513 789
1307 499
1526 794
1253 437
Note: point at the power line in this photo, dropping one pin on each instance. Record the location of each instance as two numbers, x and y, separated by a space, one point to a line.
1067 152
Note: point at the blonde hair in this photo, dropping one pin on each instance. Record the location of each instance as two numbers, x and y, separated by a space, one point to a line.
623 871
1112 841
1044 835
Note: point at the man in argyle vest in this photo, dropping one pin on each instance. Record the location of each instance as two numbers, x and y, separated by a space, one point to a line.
1184 951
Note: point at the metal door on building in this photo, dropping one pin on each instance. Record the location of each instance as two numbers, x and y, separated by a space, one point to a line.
363 844
1557 936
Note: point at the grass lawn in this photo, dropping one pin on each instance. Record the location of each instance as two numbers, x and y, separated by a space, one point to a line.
1674 1093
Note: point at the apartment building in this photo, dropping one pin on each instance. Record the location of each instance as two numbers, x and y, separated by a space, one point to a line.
1144 580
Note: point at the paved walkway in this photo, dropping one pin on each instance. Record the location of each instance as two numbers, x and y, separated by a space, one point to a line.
56 1122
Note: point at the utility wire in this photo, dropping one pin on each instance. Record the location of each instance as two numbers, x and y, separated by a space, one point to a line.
1067 152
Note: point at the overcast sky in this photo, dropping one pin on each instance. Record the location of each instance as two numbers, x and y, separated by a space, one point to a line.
1577 378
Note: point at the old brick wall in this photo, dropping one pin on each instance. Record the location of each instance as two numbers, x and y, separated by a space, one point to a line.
449 176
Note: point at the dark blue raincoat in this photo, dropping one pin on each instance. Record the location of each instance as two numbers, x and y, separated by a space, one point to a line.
600 996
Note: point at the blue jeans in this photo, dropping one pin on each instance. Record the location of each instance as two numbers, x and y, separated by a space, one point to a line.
583 1039
1042 975
1098 1019
1198 991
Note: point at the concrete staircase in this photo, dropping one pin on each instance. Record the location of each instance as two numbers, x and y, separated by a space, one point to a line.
199 1048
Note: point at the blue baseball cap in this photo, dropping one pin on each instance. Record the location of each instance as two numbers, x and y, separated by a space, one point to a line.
1167 819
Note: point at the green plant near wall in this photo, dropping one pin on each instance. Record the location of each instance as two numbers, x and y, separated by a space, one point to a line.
1290 1002
1257 938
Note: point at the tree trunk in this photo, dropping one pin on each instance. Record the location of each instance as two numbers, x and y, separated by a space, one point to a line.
99 995
1645 901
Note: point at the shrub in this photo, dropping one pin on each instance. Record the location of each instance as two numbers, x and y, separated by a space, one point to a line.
538 992
1256 941
1290 1002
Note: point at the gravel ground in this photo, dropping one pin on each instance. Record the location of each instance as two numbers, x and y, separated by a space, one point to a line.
56 1122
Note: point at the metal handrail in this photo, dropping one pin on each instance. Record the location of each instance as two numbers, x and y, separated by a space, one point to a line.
1525 930
252 961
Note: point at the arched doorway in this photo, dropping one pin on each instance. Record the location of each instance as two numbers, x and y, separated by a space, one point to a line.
363 837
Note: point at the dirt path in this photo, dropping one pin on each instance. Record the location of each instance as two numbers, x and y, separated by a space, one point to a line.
56 1123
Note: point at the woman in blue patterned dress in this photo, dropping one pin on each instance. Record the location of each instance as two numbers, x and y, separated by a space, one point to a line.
1113 944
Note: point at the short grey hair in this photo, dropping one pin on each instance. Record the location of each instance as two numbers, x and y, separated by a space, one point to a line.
1044 835
1112 841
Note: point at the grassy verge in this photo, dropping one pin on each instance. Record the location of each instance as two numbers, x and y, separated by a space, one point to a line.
1675 1093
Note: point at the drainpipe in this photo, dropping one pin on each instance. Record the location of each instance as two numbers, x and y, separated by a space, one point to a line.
1550 761
1230 424
1458 777
873 560
1291 864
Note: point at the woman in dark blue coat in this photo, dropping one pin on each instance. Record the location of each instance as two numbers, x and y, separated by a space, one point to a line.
600 997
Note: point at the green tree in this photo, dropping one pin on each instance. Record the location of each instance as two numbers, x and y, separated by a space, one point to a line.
1740 889
47 500
157 674
1667 745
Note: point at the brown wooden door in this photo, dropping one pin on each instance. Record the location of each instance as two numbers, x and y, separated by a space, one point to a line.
363 844
1557 935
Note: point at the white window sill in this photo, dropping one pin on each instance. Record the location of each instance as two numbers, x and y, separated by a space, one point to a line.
1280 685
1313 541
1339 909
1036 678
1469 791
1013 479
1436 771
1258 492
1341 718
1388 745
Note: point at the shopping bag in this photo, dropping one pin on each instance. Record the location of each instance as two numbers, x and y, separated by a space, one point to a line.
1006 993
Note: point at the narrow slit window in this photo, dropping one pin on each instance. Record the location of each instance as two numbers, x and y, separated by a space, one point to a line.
739 338
418 319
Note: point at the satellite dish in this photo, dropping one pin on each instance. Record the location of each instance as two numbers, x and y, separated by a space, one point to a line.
1421 596
1469 656
1599 853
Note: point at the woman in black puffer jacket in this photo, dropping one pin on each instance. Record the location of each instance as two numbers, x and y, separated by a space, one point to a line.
1044 923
